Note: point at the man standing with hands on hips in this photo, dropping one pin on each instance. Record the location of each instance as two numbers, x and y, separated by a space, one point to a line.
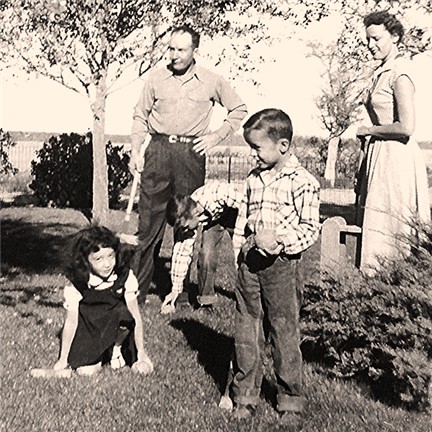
175 108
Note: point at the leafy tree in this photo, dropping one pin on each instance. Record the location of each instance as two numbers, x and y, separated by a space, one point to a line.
88 45
344 78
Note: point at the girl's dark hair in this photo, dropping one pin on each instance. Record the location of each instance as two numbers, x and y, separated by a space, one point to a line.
388 20
276 123
88 240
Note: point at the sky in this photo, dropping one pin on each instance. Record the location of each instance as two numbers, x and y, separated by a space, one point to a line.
291 83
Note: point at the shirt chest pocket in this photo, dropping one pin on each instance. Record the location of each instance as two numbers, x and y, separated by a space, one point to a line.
166 99
198 94
197 98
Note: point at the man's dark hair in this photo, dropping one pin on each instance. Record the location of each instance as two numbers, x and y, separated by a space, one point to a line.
187 29
390 22
274 122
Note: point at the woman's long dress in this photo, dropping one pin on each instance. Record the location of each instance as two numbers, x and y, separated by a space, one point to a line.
393 184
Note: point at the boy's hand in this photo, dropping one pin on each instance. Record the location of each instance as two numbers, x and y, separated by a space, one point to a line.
267 241
168 305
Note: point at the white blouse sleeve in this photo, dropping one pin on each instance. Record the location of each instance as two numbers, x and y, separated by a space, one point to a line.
72 297
131 285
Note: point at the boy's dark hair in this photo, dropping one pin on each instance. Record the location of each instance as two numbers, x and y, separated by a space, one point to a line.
88 240
390 22
187 29
179 210
274 122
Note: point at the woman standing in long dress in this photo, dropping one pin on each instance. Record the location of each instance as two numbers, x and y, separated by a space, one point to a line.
393 187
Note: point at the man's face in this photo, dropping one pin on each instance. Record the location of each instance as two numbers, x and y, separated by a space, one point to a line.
181 51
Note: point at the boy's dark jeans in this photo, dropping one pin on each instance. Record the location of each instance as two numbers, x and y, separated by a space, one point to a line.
268 288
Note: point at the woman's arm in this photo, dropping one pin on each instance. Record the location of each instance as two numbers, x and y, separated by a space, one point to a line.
404 125
69 330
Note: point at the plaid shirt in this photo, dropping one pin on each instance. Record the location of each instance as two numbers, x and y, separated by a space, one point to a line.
286 201
214 197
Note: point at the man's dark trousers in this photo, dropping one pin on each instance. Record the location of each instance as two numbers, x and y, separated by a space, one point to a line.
169 168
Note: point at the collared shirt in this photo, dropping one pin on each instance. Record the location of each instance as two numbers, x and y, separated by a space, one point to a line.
285 200
214 197
182 104
72 296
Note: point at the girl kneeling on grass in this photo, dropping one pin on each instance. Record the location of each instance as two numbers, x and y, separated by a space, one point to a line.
103 321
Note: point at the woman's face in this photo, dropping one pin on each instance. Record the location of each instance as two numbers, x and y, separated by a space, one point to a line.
380 42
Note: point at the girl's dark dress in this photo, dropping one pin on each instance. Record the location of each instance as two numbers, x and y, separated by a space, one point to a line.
101 314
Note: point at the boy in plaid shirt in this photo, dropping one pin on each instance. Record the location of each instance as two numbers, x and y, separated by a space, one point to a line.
212 208
277 221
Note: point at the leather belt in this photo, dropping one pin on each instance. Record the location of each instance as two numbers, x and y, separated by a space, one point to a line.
173 139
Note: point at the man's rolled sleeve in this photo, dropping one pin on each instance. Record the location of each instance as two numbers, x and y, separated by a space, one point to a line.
237 109
140 116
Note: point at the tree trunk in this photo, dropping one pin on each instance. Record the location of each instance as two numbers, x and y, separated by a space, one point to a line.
100 167
332 153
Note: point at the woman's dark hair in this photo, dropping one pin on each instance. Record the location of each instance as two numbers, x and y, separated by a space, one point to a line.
88 240
276 123
388 20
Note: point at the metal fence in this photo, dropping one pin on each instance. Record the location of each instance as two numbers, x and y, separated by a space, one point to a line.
233 167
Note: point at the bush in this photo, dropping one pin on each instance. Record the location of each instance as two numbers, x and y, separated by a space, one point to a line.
377 329
6 142
63 173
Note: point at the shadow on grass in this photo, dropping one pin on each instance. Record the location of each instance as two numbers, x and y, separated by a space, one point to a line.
214 349
31 247
161 281
42 296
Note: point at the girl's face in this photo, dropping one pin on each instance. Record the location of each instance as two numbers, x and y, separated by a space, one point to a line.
102 262
380 42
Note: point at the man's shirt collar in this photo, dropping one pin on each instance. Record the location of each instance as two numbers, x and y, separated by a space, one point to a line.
194 71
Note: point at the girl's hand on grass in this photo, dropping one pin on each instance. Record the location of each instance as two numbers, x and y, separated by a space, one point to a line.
60 364
144 366
168 305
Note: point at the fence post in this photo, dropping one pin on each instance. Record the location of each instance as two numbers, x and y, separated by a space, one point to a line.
229 168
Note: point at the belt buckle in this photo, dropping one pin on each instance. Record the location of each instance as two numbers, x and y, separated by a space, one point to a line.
172 139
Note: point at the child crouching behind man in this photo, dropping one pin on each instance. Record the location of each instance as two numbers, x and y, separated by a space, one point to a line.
278 220
213 209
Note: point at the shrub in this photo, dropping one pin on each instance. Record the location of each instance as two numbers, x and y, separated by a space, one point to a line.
63 172
6 142
377 329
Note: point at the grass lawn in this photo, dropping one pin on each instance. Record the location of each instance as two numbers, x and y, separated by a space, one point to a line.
190 350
